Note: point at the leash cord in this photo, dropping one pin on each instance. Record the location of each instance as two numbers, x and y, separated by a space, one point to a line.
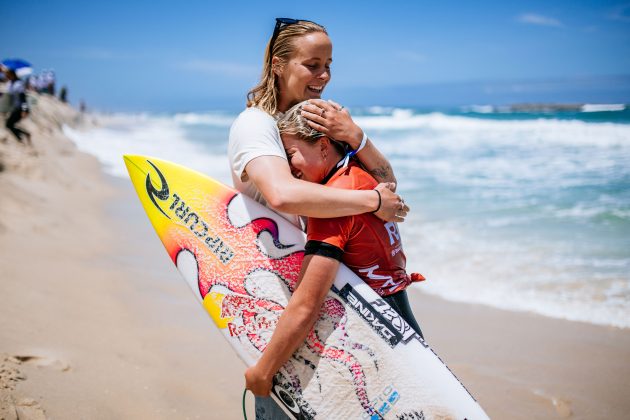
244 412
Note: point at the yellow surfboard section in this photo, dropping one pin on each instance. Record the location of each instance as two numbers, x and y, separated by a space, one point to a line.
176 197
189 212
213 303
182 206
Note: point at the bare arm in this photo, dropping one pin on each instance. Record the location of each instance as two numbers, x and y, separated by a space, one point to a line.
272 176
337 123
316 277
375 162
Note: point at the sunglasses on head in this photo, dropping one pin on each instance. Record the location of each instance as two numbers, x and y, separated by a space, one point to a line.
282 23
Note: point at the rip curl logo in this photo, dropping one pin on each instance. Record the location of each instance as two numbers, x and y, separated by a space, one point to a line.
190 218
162 194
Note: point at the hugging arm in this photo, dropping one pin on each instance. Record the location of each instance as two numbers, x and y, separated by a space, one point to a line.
316 277
333 120
272 176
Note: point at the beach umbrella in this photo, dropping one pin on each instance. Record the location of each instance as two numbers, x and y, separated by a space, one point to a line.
22 68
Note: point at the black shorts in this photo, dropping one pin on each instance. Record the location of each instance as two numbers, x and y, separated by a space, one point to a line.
400 303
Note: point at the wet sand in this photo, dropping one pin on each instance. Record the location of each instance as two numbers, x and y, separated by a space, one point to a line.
524 366
96 323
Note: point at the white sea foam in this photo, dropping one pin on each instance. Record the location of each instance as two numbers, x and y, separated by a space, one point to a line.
479 109
502 154
515 275
471 132
160 137
506 213
581 210
379 110
602 107
211 118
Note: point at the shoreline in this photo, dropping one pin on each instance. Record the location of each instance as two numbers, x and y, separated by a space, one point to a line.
524 365
97 323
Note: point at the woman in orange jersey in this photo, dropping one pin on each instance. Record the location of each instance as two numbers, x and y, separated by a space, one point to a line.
369 246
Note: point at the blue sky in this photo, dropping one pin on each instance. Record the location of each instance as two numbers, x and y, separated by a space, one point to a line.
198 55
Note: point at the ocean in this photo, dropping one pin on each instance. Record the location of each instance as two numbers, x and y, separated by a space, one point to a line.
525 208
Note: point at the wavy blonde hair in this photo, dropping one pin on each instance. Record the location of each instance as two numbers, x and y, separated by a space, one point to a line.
265 94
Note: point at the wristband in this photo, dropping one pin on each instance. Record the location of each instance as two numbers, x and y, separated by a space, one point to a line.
379 201
363 143
346 159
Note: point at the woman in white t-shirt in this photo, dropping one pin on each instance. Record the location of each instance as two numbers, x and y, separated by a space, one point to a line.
296 68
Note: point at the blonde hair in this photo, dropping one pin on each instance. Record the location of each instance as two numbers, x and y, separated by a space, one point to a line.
265 94
292 122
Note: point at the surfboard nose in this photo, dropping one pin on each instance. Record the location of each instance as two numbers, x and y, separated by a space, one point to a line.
129 159
134 163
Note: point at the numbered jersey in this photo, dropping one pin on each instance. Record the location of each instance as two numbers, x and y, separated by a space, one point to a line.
371 248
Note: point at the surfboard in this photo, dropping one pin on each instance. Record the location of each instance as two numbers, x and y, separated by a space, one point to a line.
361 360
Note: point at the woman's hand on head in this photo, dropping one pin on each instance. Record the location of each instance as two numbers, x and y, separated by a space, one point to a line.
393 208
333 120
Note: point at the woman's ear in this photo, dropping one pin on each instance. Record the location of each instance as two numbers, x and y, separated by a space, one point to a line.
276 66
324 145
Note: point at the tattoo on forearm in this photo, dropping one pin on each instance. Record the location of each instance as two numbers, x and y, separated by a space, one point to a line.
381 173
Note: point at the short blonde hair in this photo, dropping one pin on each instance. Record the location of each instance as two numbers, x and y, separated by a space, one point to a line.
292 122
265 94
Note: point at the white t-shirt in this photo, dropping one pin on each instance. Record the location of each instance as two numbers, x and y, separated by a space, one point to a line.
254 133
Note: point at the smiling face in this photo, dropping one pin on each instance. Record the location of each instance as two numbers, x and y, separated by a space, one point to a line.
308 160
306 73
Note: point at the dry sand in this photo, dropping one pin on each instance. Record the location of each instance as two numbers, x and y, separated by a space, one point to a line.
96 323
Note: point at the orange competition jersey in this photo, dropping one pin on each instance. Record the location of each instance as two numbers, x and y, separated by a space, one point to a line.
371 247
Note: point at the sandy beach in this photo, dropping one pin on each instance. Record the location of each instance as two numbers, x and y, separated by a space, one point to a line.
96 323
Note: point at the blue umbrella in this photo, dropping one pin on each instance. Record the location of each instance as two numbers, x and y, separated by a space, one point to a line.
21 67
15 63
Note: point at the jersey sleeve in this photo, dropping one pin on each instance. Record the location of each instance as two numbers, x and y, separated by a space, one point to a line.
337 231
334 231
253 134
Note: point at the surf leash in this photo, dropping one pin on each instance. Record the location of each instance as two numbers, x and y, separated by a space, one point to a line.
244 411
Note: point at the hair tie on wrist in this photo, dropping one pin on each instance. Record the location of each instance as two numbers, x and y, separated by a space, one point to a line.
379 201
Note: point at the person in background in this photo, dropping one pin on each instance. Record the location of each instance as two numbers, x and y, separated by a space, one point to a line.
296 67
63 94
19 106
367 245
41 83
49 82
